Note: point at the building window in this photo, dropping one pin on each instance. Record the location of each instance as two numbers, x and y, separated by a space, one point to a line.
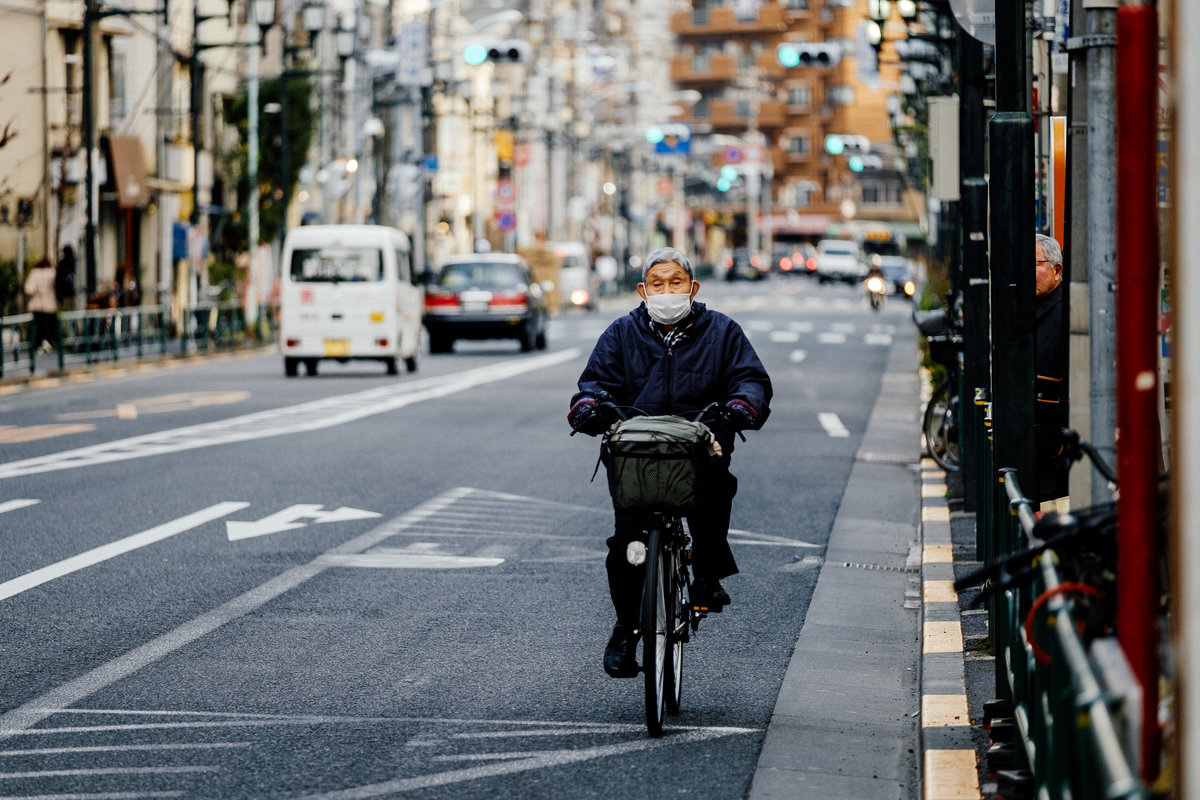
842 95
800 97
746 10
799 146
117 107
798 5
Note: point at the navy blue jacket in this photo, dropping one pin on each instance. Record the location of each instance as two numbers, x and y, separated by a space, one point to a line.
713 363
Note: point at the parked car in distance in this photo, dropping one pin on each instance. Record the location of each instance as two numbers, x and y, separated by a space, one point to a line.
742 264
578 285
897 274
795 258
840 260
485 296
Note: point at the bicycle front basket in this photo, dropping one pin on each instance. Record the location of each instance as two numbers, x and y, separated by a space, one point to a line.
657 463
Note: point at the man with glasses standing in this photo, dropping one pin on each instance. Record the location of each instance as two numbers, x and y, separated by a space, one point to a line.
1050 381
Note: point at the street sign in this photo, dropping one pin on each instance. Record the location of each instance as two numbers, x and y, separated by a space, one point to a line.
506 221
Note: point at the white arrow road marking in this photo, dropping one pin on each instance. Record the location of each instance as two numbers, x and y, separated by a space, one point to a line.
286 520
114 549
390 558
13 505
832 424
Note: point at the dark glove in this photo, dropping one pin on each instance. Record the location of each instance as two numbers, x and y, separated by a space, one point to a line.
739 415
586 417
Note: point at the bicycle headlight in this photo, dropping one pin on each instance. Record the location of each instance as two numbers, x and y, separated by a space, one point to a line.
635 553
874 284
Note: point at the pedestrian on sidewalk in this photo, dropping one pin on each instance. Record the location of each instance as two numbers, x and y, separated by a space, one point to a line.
1050 382
42 303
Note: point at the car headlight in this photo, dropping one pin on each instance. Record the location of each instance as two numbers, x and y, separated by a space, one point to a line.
875 284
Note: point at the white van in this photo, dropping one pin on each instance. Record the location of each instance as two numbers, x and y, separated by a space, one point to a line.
348 291
578 286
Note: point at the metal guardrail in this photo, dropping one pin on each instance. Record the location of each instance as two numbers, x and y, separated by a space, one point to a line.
1075 705
131 332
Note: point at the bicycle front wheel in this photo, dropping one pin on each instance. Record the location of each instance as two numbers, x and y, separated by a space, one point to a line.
678 605
941 427
654 632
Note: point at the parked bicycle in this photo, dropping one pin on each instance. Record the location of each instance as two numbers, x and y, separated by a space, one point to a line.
940 424
657 464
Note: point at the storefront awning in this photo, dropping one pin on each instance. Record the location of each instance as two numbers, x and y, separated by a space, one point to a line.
129 169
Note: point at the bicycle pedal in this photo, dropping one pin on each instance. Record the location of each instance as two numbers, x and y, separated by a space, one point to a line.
703 609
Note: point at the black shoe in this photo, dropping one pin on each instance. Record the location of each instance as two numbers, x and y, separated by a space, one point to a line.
620 657
708 595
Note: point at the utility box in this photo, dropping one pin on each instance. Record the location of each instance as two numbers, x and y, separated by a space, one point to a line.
943 148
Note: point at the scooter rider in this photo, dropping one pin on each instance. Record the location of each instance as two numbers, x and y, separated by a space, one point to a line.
671 355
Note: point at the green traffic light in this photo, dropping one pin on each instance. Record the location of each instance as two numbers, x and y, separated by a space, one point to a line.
729 173
723 185
475 54
654 134
834 144
855 163
787 55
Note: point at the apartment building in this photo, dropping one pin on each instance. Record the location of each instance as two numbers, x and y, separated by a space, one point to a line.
729 52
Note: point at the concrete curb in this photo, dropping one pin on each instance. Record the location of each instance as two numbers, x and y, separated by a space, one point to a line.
948 755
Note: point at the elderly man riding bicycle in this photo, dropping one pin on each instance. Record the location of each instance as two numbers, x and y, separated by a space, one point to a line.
672 355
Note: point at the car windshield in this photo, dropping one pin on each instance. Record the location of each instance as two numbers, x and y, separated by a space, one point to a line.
334 264
481 275
893 270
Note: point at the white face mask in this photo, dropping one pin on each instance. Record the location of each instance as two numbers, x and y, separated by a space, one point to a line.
667 309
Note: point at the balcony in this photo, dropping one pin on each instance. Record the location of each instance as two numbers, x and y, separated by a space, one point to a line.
724 22
715 68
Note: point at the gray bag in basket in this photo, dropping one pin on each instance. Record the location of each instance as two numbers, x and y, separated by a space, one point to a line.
658 463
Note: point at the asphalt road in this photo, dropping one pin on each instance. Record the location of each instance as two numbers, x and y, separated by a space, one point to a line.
218 582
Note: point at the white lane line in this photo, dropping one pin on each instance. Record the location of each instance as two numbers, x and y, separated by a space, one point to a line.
19 720
830 337
74 773
784 336
114 549
796 356
877 339
832 424
122 748
301 418
13 505
530 760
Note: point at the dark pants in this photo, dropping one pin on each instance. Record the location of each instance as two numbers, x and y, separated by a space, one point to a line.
45 327
711 555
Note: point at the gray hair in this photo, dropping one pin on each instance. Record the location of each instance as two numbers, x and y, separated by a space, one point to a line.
1050 248
667 255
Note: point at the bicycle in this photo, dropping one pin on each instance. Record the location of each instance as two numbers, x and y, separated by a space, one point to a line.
667 615
940 423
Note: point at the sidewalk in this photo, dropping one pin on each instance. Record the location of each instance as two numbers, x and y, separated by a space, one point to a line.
874 698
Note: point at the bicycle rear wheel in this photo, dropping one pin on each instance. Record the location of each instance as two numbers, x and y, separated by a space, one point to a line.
941 427
654 632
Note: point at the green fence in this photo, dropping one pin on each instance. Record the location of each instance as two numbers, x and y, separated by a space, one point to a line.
133 332
1075 704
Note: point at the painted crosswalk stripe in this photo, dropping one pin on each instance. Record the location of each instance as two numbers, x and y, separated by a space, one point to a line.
832 424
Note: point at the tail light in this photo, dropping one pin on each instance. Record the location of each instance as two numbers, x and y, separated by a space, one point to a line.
785 264
755 260
811 264
509 299
440 300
